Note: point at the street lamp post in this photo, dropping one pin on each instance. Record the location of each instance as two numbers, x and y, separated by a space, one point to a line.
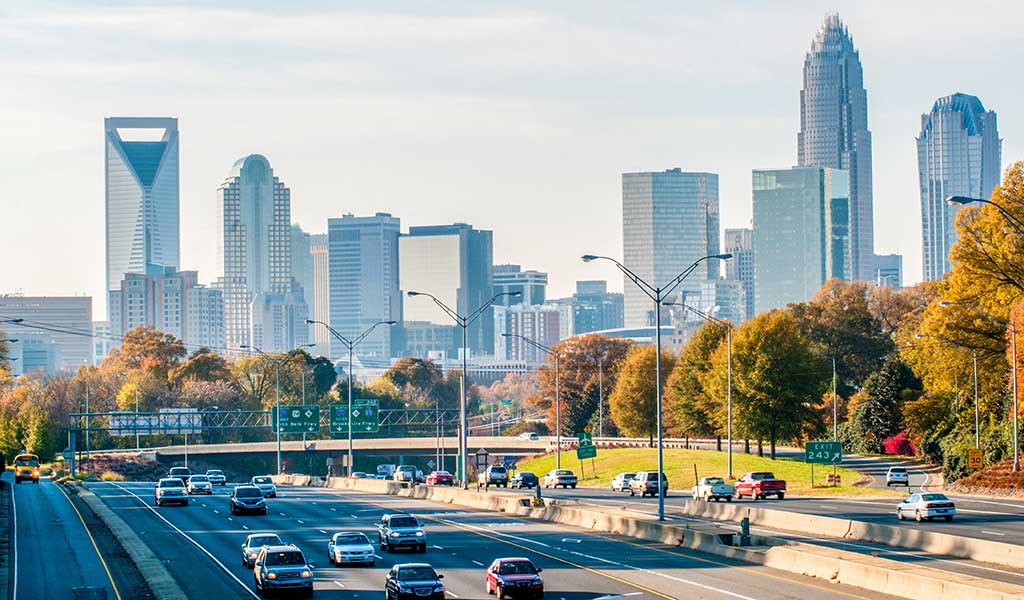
658 295
464 322
350 345
558 396
1010 218
974 361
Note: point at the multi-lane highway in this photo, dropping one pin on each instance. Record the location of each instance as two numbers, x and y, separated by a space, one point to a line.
200 546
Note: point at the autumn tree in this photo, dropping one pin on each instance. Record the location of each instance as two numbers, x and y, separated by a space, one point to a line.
149 349
879 413
693 411
633 403
202 365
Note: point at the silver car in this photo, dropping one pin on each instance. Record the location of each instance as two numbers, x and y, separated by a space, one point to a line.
926 506
897 476
199 484
266 485
170 489
560 477
254 542
216 477
621 482
350 547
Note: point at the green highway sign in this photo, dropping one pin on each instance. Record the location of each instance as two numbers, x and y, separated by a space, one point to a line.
824 453
585 438
506 402
365 418
298 419
586 451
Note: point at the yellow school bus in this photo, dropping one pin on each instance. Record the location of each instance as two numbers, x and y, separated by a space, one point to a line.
26 466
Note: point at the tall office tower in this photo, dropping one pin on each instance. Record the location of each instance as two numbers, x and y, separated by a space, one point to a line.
958 154
454 263
205 319
531 285
740 243
64 350
594 308
141 195
543 324
724 299
801 233
102 341
834 130
889 270
320 309
669 221
363 264
302 268
158 298
254 247
278 323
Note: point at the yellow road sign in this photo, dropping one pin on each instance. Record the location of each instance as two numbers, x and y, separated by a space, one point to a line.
975 460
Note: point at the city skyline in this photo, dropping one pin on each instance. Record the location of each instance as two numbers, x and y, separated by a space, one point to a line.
651 136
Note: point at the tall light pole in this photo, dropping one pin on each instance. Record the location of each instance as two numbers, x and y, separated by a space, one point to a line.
464 322
728 339
277 370
558 396
350 345
974 361
658 295
1007 215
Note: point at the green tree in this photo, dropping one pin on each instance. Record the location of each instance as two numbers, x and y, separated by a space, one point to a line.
633 403
692 410
878 413
42 438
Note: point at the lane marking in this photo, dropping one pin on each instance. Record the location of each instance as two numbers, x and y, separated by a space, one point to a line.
478 563
339 584
450 593
91 539
14 546
379 556
612 596
322 531
334 510
300 521
282 514
438 547
993 532
246 527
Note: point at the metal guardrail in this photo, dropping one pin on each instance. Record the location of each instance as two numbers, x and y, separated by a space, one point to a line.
148 423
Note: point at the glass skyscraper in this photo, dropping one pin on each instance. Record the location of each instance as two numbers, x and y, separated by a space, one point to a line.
669 221
958 154
834 130
142 220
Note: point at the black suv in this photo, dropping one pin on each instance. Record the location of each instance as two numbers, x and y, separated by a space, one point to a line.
282 568
413 580
247 499
401 531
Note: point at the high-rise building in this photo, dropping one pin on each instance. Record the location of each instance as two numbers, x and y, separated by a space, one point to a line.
724 299
302 265
158 298
65 344
102 341
531 285
669 221
834 130
320 309
594 308
740 243
254 247
801 233
958 154
542 324
889 270
363 264
279 322
142 215
205 319
454 263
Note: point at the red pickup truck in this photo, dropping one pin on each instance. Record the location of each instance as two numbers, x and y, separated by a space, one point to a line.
760 484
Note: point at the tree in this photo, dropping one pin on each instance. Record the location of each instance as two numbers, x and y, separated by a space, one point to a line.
203 365
878 413
633 403
41 439
777 379
693 411
200 394
147 348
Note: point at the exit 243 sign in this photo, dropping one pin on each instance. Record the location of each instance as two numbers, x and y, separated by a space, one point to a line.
824 453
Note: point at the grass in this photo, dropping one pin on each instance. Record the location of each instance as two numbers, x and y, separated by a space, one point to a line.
112 476
679 466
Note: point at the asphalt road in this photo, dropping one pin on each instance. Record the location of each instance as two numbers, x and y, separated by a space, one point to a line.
55 556
578 564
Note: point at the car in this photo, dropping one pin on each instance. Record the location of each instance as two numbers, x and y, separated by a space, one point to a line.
760 484
350 547
514 578
247 499
413 580
362 475
560 477
199 484
646 483
496 475
712 488
282 568
897 476
440 478
524 479
265 485
401 531
405 473
216 477
182 473
170 490
621 482
529 435
253 543
926 506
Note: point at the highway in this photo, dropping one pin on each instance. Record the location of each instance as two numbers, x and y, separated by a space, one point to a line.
200 546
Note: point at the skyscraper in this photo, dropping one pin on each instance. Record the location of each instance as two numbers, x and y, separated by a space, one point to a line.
142 221
302 268
958 154
62 345
669 221
255 242
740 243
531 285
834 130
801 233
321 293
889 270
594 308
363 263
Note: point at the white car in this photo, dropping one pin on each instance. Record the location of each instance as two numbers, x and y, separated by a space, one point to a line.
266 485
199 484
926 506
712 488
560 477
621 482
170 489
254 542
216 477
350 547
406 473
897 476
529 435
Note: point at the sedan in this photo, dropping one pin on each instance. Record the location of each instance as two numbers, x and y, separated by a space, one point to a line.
560 477
265 484
350 547
440 478
247 499
621 482
254 542
216 477
413 580
514 578
926 506
524 479
199 484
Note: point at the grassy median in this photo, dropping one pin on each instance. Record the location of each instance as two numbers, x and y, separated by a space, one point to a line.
679 468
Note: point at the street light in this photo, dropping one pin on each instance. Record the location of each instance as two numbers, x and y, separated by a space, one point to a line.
974 359
658 295
464 323
558 397
350 344
1010 218
728 338
277 369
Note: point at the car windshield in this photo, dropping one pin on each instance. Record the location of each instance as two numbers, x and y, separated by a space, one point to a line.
527 475
497 469
897 470
261 480
26 462
215 472
264 540
353 539
416 574
442 473
288 557
714 480
171 483
760 476
628 475
199 478
404 522
933 497
176 471
407 469
248 492
519 567
563 472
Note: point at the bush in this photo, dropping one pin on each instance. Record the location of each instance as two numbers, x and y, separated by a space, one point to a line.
111 476
899 445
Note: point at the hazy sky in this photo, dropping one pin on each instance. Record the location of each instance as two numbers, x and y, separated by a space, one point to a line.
516 117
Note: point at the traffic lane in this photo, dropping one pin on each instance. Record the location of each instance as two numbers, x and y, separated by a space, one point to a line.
656 570
55 555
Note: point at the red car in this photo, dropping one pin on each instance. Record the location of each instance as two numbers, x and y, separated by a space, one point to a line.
514 578
440 478
760 484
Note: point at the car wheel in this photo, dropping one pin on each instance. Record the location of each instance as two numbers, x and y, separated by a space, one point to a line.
948 518
781 495
487 586
632 492
499 592
899 514
917 515
728 498
422 548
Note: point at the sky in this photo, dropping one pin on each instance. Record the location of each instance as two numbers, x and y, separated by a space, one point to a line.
518 117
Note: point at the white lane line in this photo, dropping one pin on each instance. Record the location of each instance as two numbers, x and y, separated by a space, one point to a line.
14 547
478 563
282 514
300 521
338 583
438 547
334 510
195 543
354 516
379 556
215 511
974 500
612 596
451 593
246 527
993 532
322 531
571 541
